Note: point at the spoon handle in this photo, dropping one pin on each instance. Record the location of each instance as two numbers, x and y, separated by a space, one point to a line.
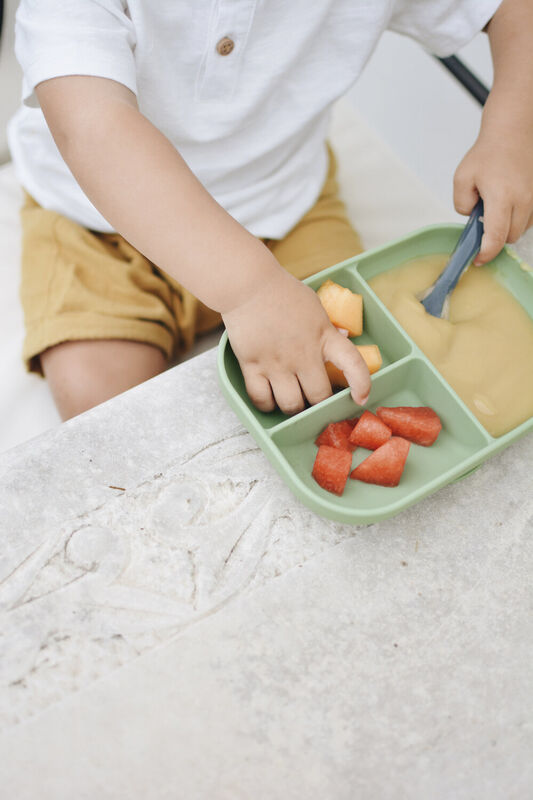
465 250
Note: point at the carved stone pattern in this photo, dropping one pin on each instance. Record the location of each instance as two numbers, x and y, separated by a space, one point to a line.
117 581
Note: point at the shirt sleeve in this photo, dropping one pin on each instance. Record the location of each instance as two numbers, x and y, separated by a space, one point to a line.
442 26
74 37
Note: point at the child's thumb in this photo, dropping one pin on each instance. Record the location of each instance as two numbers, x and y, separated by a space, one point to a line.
345 355
465 194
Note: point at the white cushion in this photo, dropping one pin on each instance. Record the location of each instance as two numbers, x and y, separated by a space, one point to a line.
26 406
384 200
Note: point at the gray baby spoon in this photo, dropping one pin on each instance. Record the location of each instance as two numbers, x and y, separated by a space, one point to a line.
436 299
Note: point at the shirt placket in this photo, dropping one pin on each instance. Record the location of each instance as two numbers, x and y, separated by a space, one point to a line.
228 33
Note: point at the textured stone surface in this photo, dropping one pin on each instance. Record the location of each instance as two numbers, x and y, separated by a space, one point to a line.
175 624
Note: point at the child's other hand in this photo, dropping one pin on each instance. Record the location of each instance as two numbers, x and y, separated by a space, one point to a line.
281 337
499 168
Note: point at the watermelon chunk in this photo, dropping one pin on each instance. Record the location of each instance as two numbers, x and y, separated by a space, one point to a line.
385 465
337 434
353 420
420 425
370 432
331 468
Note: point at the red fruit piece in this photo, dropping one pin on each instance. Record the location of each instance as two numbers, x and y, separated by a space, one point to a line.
370 432
385 465
331 468
337 435
420 425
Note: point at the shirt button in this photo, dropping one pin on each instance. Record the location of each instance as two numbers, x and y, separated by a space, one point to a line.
225 46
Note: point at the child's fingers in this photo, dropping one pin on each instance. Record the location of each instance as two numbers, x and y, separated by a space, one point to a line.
315 383
287 392
259 390
519 223
345 356
496 223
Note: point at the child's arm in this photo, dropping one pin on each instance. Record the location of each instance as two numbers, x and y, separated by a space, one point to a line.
139 182
499 167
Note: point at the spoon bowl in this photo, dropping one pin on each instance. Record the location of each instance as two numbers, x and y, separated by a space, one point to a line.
436 299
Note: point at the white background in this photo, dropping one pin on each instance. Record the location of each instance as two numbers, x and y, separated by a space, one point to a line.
422 112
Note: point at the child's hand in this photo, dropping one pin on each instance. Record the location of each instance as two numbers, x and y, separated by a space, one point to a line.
499 168
281 337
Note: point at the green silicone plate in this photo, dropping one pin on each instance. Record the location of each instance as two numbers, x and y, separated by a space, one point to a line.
406 378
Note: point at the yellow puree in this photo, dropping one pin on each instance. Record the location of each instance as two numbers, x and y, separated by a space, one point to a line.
484 350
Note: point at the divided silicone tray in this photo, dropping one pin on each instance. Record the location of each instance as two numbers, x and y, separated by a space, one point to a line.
407 377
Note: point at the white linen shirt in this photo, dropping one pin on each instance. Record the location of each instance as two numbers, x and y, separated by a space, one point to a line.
251 124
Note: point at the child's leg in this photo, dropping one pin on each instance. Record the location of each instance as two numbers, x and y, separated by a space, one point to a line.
82 374
99 317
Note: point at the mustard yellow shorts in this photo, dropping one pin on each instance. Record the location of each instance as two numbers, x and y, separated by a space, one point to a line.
79 284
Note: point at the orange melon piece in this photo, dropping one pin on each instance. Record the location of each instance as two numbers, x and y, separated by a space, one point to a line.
371 356
343 307
335 375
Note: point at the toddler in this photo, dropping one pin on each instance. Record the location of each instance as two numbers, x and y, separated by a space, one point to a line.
177 176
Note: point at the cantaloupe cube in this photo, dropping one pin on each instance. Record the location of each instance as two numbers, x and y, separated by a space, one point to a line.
371 356
343 307
335 375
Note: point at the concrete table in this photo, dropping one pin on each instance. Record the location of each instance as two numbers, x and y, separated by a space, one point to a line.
175 624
